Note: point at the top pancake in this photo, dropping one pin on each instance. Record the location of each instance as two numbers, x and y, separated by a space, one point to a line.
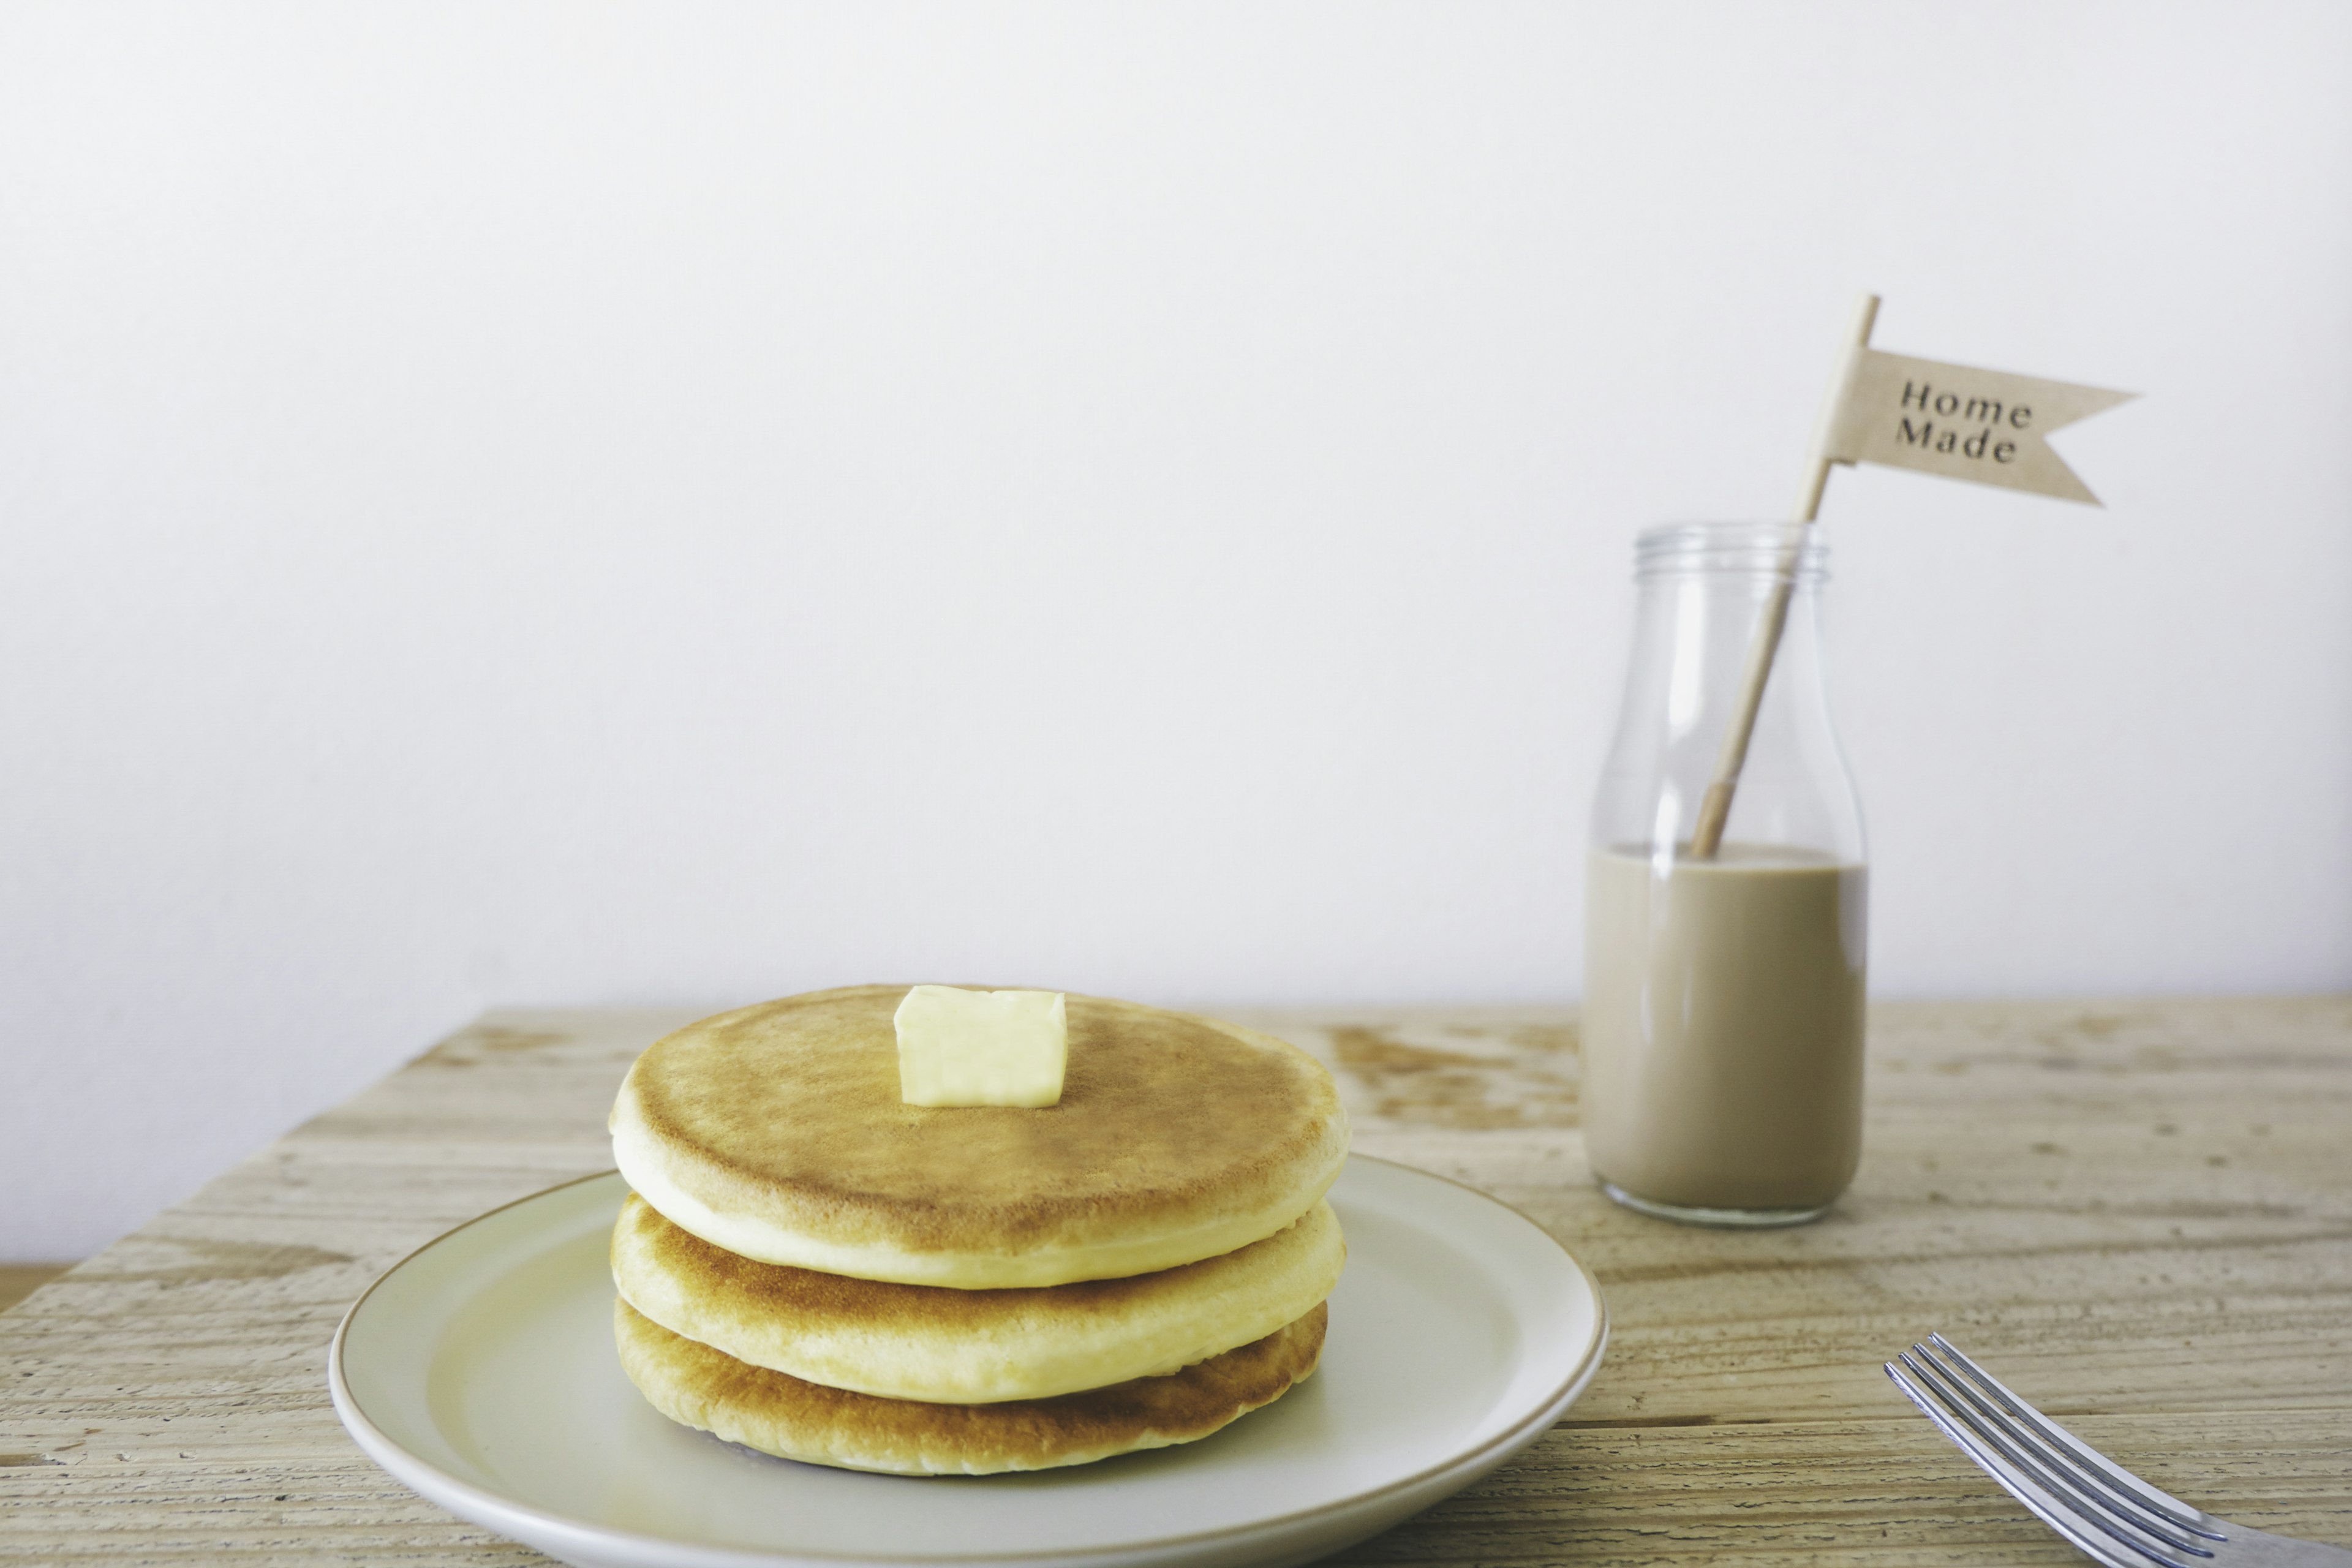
777 1133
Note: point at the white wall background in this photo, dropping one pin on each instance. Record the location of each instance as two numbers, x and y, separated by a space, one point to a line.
576 503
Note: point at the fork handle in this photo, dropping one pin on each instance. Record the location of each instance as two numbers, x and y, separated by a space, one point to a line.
2286 1551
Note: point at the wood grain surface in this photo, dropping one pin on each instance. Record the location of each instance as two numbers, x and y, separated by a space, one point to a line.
2139 1214
18 1280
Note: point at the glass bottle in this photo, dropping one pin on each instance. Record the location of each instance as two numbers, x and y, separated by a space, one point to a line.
1723 996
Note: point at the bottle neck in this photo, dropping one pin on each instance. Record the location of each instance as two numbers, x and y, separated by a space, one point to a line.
1704 591
1770 551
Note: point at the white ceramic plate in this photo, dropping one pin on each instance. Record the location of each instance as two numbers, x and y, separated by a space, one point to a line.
482 1372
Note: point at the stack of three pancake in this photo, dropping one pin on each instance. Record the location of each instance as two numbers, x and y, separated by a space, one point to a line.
812 1268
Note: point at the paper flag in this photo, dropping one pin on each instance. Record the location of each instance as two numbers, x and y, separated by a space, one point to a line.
1962 423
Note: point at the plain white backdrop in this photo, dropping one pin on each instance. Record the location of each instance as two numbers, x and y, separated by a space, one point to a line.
570 503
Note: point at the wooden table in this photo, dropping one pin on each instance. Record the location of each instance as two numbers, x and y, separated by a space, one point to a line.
2139 1214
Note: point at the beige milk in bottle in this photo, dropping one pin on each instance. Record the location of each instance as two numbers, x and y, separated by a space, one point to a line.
1723 1017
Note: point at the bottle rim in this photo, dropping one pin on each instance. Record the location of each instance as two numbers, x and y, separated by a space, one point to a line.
1792 551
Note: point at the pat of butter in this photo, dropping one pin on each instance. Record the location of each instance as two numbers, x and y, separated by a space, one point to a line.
981 1047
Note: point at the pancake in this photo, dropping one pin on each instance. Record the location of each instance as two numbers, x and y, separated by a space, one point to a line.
782 1415
968 1347
777 1133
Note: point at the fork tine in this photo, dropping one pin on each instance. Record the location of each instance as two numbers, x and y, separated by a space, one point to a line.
2050 1468
2081 1453
2015 1482
2082 1520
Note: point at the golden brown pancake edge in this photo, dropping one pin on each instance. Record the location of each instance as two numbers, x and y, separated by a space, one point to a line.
777 1413
932 1342
776 1131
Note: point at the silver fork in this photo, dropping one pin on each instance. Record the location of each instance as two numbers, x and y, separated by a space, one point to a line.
2106 1511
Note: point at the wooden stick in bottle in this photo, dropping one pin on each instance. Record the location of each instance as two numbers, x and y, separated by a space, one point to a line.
1714 806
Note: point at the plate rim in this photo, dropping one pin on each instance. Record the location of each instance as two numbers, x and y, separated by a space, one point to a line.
380 1445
